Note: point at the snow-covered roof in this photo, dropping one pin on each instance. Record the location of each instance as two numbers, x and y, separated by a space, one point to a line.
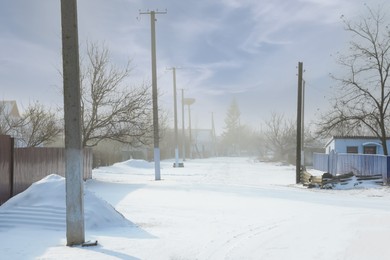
355 137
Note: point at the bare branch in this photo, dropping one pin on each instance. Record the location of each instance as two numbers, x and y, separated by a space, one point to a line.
38 126
111 109
363 96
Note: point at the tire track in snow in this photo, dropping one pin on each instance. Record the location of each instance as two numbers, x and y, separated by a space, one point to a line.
227 247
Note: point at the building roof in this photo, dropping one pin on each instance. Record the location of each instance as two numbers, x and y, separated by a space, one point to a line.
355 137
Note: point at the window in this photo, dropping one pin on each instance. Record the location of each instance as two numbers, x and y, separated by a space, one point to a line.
352 149
369 149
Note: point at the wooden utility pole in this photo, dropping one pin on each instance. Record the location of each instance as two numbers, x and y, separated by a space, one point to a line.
155 94
75 233
303 124
299 123
190 130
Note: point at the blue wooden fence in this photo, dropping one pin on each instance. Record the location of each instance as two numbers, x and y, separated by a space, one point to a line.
359 164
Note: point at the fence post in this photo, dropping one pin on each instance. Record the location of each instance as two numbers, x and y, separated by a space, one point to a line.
327 163
6 167
332 163
12 179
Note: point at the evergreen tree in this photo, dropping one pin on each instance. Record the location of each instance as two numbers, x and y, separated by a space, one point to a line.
231 134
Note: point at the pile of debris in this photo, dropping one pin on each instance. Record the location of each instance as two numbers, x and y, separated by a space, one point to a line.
329 181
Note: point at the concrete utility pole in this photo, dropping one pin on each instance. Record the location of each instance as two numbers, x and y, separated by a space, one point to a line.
75 233
183 127
155 94
175 118
189 102
299 123
189 129
213 134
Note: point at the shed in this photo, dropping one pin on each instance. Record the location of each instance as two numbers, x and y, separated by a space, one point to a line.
355 144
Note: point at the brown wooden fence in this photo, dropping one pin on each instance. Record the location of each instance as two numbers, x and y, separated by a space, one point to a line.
31 165
34 163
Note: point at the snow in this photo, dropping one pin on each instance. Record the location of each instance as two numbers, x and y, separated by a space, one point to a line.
217 208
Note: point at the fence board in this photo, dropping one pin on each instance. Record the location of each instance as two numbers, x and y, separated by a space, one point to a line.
6 145
359 164
33 163
320 161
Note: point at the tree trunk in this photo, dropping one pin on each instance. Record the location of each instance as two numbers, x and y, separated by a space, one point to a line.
384 145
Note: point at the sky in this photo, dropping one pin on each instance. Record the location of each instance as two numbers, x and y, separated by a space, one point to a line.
246 50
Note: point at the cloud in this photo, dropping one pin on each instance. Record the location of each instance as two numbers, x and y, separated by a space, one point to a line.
285 22
248 48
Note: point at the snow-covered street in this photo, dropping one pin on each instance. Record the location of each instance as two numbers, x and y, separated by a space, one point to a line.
217 208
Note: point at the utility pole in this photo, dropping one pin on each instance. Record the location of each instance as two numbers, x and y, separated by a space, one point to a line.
239 136
175 119
189 129
303 124
299 123
189 102
75 232
213 133
155 94
183 127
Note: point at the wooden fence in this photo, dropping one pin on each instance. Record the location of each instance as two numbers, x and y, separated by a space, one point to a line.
359 164
34 163
20 167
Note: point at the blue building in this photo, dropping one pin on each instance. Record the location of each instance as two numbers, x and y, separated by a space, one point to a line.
355 144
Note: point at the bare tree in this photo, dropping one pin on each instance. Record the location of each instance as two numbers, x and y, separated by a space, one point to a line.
110 109
281 136
37 126
363 94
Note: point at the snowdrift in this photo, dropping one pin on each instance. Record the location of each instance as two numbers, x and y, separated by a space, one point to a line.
43 205
140 164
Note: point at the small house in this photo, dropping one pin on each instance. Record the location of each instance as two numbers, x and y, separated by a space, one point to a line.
355 144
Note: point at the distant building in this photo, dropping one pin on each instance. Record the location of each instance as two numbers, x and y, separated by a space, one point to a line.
9 114
10 108
355 144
